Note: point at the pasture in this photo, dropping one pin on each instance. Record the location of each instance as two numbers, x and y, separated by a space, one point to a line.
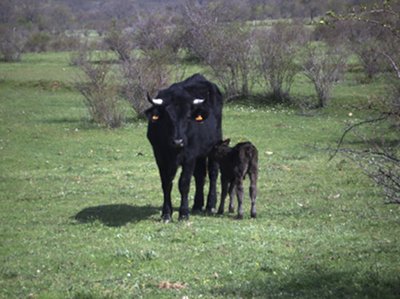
80 205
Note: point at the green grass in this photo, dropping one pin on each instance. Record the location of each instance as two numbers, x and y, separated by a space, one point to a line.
80 205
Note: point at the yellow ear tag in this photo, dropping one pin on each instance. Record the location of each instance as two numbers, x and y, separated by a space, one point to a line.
199 118
155 117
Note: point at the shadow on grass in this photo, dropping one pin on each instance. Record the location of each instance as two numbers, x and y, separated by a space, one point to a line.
327 284
116 215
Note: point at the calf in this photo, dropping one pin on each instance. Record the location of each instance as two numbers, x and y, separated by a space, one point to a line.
235 162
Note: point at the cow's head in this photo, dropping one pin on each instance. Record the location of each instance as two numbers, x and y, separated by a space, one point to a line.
174 116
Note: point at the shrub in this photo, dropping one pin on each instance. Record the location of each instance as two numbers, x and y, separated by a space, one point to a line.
100 92
142 76
226 48
119 42
11 44
323 66
38 42
278 48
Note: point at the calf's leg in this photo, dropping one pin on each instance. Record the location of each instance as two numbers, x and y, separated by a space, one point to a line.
224 192
253 194
232 191
239 193
212 193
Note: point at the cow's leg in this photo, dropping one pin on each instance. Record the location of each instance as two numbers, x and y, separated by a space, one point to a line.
239 193
224 192
200 176
212 193
167 174
184 186
253 194
232 197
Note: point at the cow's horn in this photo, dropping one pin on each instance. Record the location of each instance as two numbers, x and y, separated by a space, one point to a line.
198 101
157 101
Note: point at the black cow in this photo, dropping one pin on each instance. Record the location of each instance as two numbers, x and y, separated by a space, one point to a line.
184 125
235 163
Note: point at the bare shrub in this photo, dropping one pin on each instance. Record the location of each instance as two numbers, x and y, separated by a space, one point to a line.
100 91
38 41
323 66
156 35
11 44
364 42
278 48
119 42
142 76
226 48
380 157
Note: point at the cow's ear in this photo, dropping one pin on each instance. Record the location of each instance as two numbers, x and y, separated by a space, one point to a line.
156 102
198 101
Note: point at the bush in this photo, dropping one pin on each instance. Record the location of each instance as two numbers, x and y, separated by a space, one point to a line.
142 76
119 42
62 42
11 44
278 48
38 42
226 48
323 66
100 92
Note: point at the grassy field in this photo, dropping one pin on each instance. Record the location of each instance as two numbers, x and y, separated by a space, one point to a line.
80 205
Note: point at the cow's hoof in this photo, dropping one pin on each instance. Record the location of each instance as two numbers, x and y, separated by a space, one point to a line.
183 218
231 210
197 211
220 211
166 218
253 215
239 217
211 211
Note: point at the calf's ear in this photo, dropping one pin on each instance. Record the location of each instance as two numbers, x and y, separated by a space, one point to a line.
226 141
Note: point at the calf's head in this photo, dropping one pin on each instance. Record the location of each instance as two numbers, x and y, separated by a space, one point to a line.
172 116
221 149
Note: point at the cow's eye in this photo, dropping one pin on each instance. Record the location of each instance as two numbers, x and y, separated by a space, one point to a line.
155 117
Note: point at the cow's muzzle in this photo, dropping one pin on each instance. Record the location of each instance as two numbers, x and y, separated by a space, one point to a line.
178 143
